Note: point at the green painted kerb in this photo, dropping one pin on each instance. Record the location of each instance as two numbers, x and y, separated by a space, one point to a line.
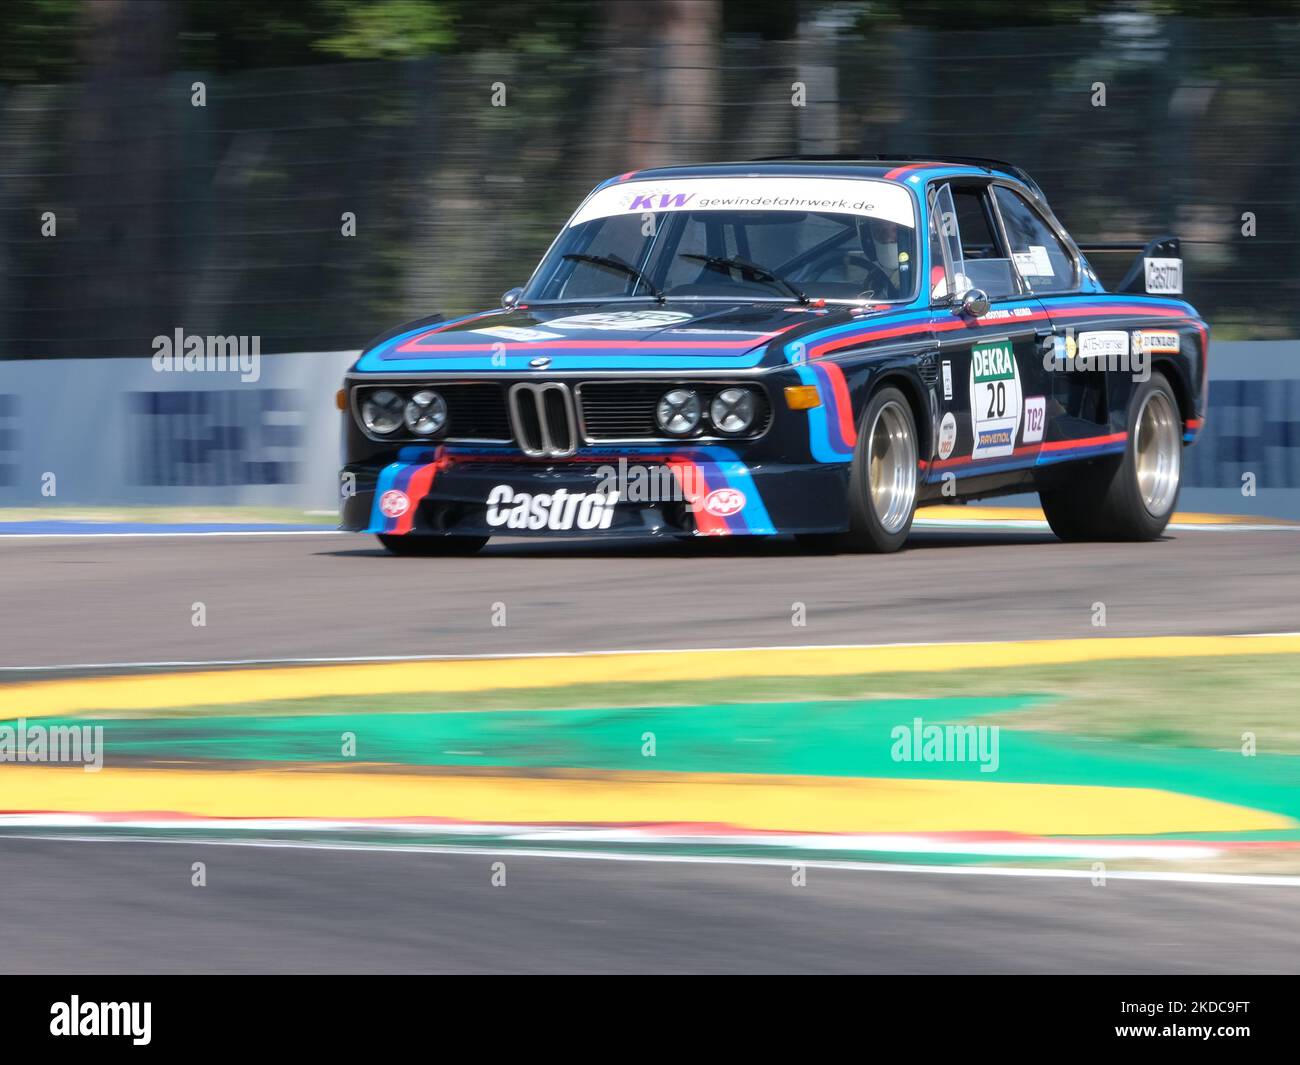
827 738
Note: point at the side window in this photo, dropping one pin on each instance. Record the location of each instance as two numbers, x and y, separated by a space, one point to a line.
1039 257
978 240
947 272
986 265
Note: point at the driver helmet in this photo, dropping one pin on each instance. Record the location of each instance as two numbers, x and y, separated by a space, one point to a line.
884 249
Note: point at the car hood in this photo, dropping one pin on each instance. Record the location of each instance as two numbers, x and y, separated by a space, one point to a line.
601 336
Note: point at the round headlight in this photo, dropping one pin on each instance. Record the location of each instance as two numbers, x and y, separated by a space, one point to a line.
381 411
426 413
678 412
732 410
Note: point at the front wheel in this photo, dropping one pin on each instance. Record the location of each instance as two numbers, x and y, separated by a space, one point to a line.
1130 497
432 546
882 479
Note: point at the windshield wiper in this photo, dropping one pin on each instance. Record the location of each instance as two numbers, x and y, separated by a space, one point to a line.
719 262
611 263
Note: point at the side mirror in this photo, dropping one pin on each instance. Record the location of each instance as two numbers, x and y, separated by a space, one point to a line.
510 298
975 302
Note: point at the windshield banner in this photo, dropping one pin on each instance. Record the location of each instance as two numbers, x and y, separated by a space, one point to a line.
856 196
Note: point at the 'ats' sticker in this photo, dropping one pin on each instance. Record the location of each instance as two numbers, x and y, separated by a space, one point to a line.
1164 276
1035 418
393 503
510 332
994 399
621 320
560 509
947 434
1151 341
723 502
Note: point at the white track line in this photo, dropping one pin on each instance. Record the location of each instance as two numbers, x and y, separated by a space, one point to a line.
1211 879
1040 525
1234 528
900 843
346 660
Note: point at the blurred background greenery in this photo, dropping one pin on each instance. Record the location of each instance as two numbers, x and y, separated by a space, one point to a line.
228 216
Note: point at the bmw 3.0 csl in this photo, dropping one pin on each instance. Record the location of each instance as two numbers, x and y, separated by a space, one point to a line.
803 346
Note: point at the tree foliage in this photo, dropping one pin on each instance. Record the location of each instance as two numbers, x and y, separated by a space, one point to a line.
43 40
38 40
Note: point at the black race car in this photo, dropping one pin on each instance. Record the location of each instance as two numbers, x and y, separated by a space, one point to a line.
806 346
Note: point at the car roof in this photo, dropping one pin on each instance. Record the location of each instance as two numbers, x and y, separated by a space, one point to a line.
887 168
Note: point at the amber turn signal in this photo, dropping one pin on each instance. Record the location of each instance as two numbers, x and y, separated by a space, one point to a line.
802 397
341 399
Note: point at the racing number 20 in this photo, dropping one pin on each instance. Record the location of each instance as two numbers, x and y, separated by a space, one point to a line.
997 400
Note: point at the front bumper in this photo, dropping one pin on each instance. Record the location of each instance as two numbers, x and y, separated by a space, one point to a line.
699 491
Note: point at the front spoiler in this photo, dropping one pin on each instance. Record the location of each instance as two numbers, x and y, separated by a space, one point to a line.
694 492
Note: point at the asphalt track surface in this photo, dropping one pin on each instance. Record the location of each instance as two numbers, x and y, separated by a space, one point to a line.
110 600
129 907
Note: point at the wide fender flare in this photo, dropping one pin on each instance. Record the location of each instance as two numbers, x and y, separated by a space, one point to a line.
865 380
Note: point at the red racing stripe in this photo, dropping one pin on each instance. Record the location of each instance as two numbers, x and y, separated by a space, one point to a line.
843 405
898 171
418 487
1089 441
1034 449
691 480
607 345
887 332
601 345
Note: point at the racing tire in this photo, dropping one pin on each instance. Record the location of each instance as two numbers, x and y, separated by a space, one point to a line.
1130 496
432 546
883 476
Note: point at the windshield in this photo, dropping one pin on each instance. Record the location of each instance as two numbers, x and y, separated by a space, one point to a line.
751 238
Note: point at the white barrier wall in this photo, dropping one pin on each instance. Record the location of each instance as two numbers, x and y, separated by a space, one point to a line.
117 431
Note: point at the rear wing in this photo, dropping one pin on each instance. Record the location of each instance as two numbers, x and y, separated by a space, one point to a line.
1158 268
